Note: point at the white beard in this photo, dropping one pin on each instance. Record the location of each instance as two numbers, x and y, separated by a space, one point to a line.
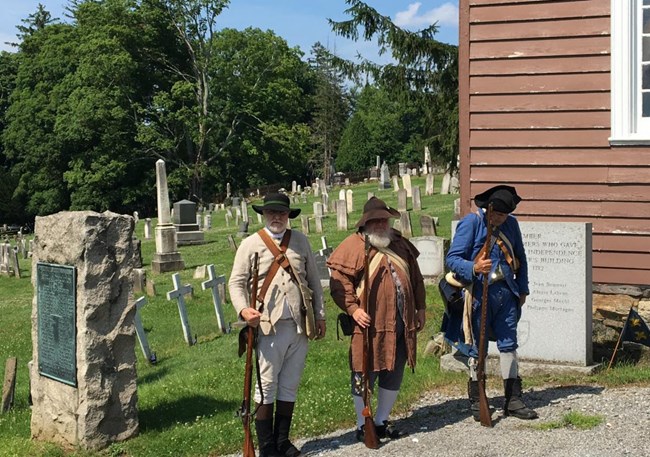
380 240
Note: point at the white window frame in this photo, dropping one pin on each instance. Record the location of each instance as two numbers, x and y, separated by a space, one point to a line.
628 127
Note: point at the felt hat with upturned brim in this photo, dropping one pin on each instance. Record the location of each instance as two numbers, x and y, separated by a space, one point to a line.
376 209
504 199
277 202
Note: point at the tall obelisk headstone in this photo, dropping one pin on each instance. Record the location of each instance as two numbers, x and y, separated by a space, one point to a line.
167 257
83 377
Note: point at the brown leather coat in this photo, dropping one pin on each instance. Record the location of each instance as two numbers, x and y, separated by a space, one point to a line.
347 264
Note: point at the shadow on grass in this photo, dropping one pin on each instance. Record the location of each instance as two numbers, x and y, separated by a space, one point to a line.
182 410
440 414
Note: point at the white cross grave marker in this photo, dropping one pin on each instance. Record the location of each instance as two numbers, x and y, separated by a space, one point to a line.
213 283
178 293
139 330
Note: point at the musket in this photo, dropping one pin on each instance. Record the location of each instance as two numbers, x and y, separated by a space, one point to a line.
246 414
370 438
484 407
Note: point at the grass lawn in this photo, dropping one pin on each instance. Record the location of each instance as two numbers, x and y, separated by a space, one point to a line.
188 399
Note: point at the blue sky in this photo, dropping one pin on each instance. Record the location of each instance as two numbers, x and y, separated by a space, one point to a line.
300 22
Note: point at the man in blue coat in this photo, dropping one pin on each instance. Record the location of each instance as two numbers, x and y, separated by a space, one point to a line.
507 270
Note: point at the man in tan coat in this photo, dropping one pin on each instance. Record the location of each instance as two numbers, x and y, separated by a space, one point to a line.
396 307
282 340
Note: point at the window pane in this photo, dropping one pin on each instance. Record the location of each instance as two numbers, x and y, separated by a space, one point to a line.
646 104
645 49
646 20
645 78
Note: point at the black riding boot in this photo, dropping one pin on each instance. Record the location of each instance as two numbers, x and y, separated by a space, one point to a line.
472 393
283 417
514 405
265 439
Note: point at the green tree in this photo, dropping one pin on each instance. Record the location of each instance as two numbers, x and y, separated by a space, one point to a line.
331 111
425 74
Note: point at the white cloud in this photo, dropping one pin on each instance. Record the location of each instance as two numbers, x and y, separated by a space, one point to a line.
445 14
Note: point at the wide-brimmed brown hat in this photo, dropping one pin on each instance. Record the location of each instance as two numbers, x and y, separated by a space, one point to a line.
276 202
504 199
376 209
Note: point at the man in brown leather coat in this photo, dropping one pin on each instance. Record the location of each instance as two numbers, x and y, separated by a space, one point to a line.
396 307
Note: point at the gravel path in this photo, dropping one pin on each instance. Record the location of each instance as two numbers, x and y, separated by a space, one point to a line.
440 425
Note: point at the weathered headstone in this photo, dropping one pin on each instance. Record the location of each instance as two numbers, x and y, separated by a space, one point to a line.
342 194
83 379
200 272
142 336
147 228
9 385
401 200
402 169
406 184
213 283
232 243
341 216
446 182
349 200
428 189
207 222
395 184
305 224
167 257
318 222
384 177
405 224
178 294
417 200
318 209
244 210
432 256
427 225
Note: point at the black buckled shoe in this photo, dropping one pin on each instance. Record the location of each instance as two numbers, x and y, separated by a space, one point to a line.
388 430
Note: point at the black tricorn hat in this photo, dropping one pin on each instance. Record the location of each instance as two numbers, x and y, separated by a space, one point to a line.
277 202
504 199
376 209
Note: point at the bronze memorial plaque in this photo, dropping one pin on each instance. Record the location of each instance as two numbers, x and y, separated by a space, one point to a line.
57 332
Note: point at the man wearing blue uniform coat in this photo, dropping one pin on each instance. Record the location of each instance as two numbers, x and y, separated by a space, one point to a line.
507 270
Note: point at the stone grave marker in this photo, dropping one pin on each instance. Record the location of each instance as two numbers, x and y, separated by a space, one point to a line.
427 225
406 184
395 183
405 224
432 256
147 228
178 294
417 200
213 284
232 243
341 215
384 177
142 335
402 200
9 385
349 200
305 224
83 371
429 185
188 231
318 222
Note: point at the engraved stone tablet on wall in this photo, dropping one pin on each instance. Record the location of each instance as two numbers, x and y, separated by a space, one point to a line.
102 407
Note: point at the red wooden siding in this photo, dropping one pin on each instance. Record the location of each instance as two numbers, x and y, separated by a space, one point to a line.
534 81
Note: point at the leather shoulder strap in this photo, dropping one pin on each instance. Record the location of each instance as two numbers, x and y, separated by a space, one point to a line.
280 260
